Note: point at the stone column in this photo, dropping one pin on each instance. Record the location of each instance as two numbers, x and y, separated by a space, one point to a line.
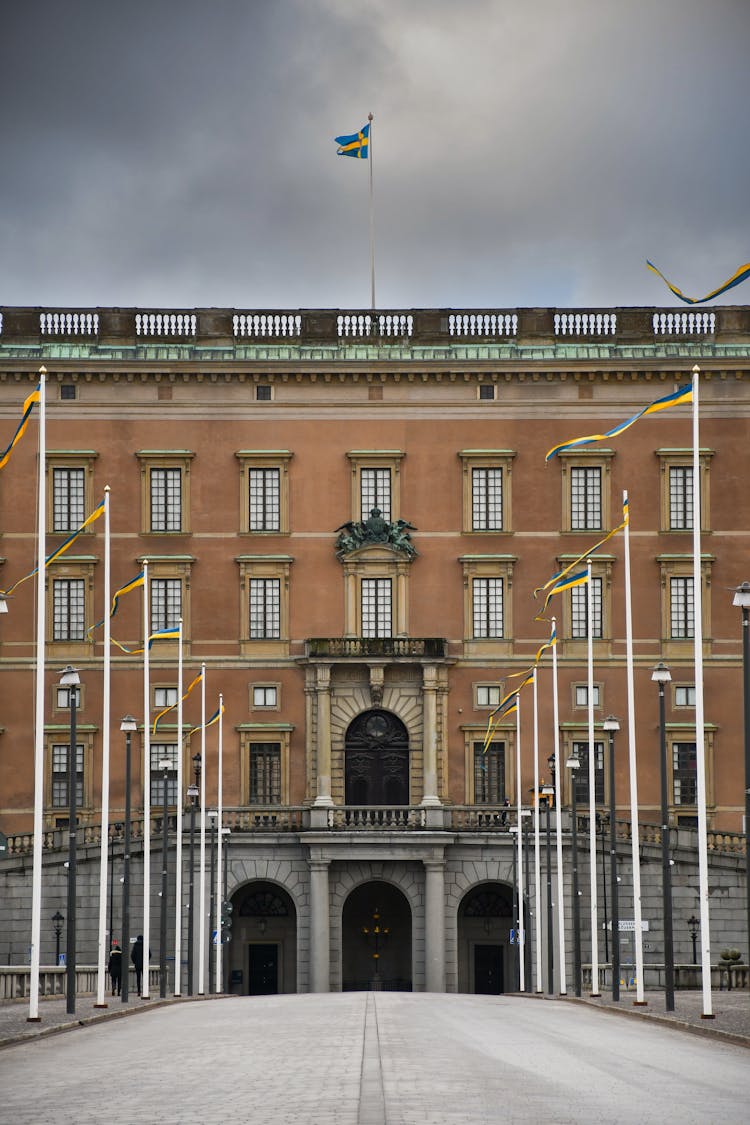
320 928
429 744
434 925
323 756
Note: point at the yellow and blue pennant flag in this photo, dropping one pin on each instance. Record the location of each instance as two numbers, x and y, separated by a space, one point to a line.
355 144
737 277
172 706
676 398
28 406
58 551
210 722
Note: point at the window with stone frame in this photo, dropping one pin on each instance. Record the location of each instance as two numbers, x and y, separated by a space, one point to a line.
376 480
684 773
265 773
60 779
676 468
487 607
486 490
163 752
264 480
489 773
70 489
579 612
165 491
264 604
586 501
68 609
377 607
580 750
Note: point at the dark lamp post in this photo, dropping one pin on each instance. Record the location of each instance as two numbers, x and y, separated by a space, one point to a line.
573 764
742 601
547 792
127 726
661 677
165 765
611 726
71 680
694 924
57 922
193 793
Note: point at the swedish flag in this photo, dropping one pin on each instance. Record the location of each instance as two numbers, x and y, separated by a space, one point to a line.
356 144
737 277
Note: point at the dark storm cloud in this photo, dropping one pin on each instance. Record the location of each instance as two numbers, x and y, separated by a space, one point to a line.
177 153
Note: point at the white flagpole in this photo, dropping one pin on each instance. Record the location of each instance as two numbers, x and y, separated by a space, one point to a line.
634 826
146 787
178 842
558 820
36 874
372 219
202 865
521 921
592 790
219 866
104 848
700 738
537 854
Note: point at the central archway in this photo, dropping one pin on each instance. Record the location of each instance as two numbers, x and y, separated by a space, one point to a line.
376 938
376 751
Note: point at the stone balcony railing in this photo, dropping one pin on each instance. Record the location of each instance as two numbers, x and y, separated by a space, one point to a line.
392 648
27 326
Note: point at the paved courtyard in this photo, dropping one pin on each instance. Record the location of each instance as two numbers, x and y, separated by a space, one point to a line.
375 1059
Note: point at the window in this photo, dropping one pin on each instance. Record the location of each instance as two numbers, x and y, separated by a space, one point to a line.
580 750
68 609
265 696
676 468
264 604
489 773
486 391
581 695
486 489
265 773
377 607
684 773
165 697
376 475
60 767
264 491
681 497
585 498
684 695
678 601
165 491
681 608
579 628
62 698
70 489
68 392
487 695
263 392
166 603
487 605
163 752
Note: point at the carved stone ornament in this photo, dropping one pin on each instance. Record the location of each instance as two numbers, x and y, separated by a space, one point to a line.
375 530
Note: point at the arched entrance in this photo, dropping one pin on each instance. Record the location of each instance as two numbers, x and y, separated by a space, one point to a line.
485 955
377 760
262 956
376 939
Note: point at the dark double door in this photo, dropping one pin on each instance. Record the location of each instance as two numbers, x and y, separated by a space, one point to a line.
377 760
263 978
488 970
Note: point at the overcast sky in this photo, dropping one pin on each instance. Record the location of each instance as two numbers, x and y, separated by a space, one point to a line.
180 153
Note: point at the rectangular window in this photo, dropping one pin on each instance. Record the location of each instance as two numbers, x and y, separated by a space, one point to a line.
487 606
60 763
681 497
487 499
265 695
166 603
265 773
265 608
579 610
488 695
581 752
586 498
165 696
264 497
582 695
62 694
68 499
375 492
163 752
681 609
166 499
376 607
68 609
684 695
489 773
685 773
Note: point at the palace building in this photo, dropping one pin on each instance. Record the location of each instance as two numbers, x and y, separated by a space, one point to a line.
350 512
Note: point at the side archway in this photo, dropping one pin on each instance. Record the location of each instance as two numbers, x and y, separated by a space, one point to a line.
485 919
262 957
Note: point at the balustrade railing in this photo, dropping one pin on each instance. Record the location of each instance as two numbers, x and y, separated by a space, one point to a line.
430 648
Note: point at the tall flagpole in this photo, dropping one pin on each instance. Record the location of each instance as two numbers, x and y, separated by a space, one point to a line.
219 864
521 922
372 219
635 849
700 738
202 865
537 853
104 845
558 819
592 790
178 841
146 787
36 875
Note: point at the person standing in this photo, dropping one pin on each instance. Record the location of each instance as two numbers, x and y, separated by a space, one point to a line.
136 956
114 968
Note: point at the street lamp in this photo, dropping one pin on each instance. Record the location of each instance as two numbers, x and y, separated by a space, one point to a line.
57 921
193 793
742 600
611 726
165 765
694 924
127 725
661 676
548 792
573 764
3 604
71 680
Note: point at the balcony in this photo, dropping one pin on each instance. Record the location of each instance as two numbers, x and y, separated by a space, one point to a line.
385 648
